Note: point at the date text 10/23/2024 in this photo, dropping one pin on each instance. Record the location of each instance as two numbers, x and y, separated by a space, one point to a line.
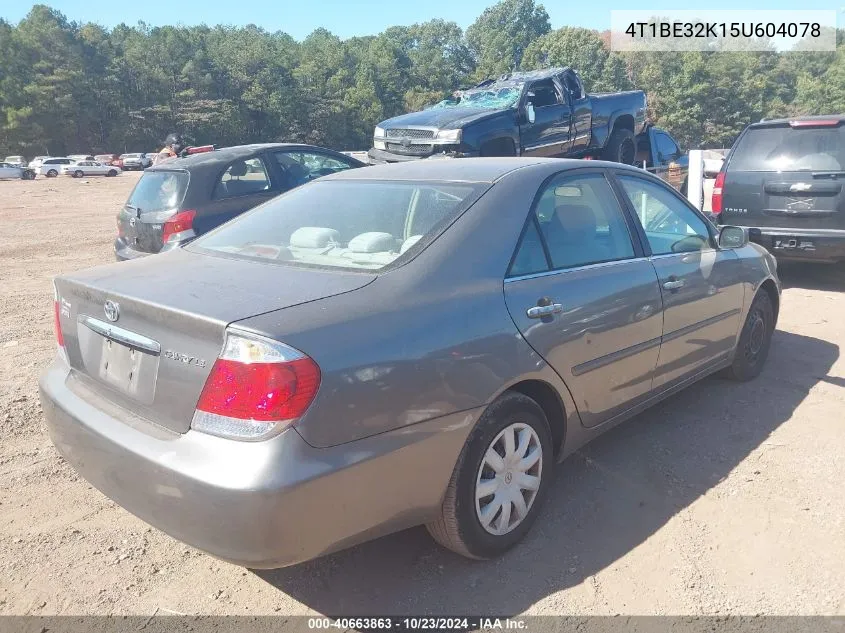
459 623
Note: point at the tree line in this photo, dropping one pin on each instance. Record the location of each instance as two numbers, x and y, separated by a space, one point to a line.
67 87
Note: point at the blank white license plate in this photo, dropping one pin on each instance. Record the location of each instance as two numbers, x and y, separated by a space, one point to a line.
120 366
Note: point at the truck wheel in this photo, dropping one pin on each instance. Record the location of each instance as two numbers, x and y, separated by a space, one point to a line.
621 147
498 147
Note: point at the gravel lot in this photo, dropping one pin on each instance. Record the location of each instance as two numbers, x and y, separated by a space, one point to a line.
724 499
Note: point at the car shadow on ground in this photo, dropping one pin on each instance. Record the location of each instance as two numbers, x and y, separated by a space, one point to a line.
608 498
827 277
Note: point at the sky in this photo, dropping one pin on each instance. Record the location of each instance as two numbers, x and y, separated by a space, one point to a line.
348 18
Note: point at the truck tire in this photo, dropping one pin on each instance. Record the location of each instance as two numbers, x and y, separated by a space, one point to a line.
621 147
498 147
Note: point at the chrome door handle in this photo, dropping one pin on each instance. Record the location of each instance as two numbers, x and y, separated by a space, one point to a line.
673 285
538 312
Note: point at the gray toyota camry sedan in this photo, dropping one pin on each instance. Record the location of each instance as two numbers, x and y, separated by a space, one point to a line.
404 344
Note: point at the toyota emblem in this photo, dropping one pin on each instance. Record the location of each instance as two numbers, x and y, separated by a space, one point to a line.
112 310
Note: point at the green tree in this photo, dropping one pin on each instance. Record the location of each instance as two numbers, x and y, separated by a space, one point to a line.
503 32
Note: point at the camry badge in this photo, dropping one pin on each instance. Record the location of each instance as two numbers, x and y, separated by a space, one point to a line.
112 310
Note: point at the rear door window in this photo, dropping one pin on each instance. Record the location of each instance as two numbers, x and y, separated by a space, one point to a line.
242 178
784 148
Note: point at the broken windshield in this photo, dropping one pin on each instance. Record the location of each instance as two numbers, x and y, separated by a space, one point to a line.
489 97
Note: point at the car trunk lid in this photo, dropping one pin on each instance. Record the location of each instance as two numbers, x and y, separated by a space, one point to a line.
144 334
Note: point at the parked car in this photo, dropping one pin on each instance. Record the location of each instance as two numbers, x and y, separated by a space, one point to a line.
108 159
181 198
51 166
404 344
78 157
83 168
136 161
16 172
786 177
36 162
539 113
660 154
17 161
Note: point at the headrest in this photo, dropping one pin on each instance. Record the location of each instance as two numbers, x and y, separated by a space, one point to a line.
409 243
576 221
313 237
372 243
238 169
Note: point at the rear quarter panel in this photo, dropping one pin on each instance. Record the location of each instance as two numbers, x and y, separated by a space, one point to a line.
607 108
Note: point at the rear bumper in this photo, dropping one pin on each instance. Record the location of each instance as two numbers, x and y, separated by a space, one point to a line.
825 245
256 504
124 252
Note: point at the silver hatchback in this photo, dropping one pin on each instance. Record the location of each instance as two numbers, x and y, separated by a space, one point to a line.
405 344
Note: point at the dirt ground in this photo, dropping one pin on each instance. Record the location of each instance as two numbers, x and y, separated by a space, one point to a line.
724 499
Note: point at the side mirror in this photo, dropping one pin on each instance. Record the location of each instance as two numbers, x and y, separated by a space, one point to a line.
733 237
529 112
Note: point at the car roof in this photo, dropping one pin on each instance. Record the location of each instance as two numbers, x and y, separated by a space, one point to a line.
818 117
487 170
228 154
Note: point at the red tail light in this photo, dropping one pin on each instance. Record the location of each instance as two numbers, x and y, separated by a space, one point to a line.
60 339
200 149
182 221
718 187
255 387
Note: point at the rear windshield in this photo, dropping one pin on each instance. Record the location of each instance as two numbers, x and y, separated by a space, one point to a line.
790 149
344 224
159 190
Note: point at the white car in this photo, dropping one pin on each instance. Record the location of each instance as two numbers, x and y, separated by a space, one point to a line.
89 168
16 161
136 161
36 162
17 172
51 166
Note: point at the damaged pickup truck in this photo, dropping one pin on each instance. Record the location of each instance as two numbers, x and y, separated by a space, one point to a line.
539 113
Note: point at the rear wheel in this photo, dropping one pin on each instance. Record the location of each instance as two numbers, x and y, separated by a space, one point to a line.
52 173
754 340
78 173
621 147
500 481
112 172
28 175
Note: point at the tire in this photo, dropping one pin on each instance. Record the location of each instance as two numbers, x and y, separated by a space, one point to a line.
78 173
52 173
459 526
111 173
754 340
28 175
621 147
498 147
